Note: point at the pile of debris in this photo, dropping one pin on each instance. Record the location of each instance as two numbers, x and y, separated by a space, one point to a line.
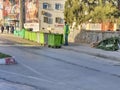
110 44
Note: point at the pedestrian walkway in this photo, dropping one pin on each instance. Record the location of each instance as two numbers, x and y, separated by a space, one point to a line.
85 48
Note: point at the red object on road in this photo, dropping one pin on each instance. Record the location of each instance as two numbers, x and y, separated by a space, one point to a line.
10 60
7 61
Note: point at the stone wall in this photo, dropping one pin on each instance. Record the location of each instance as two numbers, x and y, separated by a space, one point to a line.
89 36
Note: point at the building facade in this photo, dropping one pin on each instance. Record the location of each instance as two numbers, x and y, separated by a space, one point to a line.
51 14
10 11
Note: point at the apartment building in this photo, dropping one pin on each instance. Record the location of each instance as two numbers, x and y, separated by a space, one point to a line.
51 14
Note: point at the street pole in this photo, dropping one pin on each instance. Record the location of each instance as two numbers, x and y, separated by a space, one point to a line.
39 18
21 14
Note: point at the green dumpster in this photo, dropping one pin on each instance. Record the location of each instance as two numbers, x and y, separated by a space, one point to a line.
38 37
34 36
30 35
26 34
55 40
22 33
16 32
43 38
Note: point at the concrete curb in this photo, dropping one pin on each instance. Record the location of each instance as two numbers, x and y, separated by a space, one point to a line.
7 61
97 54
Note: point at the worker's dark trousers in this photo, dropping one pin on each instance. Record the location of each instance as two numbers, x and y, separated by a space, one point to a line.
66 39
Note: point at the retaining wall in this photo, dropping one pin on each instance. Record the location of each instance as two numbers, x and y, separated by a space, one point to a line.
89 36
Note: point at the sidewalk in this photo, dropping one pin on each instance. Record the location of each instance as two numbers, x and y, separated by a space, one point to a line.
11 39
85 48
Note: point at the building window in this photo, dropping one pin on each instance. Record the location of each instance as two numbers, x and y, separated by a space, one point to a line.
48 20
58 6
59 20
46 6
47 14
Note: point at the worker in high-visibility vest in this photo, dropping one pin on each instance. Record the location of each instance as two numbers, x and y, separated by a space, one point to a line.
66 33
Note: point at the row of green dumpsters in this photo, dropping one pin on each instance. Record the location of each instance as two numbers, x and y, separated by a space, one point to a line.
50 39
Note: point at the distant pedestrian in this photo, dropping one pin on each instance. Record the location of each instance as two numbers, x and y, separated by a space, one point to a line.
12 29
2 29
7 28
66 33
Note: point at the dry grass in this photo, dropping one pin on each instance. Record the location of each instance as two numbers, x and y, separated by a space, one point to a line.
4 55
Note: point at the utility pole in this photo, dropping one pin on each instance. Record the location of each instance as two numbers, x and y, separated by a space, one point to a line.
39 20
22 14
39 14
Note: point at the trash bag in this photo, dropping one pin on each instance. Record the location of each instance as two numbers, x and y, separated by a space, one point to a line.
110 44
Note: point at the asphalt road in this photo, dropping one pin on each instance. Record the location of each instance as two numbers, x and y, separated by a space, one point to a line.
6 84
43 68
